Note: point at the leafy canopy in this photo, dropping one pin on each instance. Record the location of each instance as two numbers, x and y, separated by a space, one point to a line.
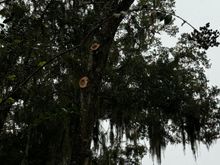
146 92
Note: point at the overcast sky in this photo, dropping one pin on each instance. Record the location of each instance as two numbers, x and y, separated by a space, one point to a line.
198 13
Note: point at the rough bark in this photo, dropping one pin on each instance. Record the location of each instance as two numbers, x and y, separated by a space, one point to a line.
89 96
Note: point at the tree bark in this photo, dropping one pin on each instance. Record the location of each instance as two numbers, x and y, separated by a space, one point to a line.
89 98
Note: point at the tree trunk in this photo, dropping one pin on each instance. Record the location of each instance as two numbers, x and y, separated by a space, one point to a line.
89 95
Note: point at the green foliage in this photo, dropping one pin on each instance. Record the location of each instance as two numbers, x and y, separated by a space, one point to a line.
42 63
10 100
146 92
12 77
167 19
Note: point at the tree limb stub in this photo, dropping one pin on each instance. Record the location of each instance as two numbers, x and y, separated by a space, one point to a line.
83 82
95 46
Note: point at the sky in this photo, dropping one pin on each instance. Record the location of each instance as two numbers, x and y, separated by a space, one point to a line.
197 13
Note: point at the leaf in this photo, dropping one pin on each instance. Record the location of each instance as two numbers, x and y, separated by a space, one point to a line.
17 41
161 16
168 19
3 12
11 77
183 23
42 63
10 100
8 20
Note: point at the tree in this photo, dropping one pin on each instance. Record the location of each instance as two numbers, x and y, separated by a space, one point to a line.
68 66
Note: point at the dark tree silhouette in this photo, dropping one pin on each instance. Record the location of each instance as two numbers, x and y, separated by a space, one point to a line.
68 67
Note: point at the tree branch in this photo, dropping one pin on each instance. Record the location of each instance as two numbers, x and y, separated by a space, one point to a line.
35 72
91 32
144 7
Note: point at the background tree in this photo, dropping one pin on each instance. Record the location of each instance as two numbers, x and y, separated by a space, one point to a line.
68 66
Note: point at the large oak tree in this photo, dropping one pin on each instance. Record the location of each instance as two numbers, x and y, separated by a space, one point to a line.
69 67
